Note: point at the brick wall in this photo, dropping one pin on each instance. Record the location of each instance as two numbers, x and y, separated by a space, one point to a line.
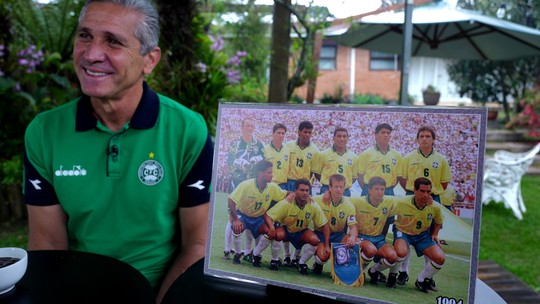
382 83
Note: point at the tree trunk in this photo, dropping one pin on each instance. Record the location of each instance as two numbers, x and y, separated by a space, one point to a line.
312 82
279 61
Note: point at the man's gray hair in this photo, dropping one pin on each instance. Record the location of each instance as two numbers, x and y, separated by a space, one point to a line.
147 30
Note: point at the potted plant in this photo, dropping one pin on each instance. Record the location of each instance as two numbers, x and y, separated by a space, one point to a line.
431 95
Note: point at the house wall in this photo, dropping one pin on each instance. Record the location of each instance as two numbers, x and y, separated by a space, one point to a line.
381 83
423 71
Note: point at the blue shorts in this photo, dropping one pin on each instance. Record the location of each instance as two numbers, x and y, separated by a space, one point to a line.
419 242
378 240
335 237
251 223
324 188
295 238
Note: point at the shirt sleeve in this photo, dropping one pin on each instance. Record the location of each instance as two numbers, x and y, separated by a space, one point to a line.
37 190
195 189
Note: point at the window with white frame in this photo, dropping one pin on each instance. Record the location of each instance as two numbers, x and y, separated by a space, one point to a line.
380 61
327 58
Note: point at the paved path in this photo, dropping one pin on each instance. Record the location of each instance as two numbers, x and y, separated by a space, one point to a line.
505 284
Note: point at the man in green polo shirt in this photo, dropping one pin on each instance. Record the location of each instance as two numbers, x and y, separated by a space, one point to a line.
121 171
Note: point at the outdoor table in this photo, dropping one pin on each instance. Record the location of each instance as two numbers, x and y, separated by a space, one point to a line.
58 276
193 287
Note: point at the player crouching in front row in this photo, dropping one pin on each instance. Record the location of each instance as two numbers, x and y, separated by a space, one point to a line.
295 219
412 227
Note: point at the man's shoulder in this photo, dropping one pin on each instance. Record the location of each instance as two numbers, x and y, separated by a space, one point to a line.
179 109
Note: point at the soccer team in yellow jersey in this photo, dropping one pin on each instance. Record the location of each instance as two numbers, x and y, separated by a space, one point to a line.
275 207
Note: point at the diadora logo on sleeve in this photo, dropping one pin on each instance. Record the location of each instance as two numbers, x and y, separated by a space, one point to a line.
150 171
76 170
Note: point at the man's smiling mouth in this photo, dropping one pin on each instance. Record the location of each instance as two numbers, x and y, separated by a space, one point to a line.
91 73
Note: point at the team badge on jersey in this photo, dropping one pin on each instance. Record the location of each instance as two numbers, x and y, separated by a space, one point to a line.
341 214
150 172
309 155
435 165
308 215
349 161
385 210
394 161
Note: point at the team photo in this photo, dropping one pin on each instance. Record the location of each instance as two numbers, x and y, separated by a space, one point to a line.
372 204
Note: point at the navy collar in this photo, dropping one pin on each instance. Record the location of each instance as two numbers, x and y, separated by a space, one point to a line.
145 115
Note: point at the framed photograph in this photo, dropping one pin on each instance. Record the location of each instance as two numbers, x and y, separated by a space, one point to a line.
364 144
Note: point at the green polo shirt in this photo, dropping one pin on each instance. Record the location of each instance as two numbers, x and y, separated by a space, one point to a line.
121 190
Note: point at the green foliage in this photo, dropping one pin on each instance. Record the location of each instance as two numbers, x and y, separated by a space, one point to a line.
34 76
431 89
529 117
53 24
249 34
494 81
10 170
367 99
249 90
32 82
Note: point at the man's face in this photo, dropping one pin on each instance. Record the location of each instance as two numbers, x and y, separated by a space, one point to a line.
422 196
376 193
340 139
279 136
336 190
106 54
302 193
382 138
248 127
425 140
304 135
267 175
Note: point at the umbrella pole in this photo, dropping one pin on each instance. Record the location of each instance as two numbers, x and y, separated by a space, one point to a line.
407 43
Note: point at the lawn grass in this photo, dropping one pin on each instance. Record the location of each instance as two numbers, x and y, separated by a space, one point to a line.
512 243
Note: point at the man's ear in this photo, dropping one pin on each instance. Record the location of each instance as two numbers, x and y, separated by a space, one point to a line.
151 60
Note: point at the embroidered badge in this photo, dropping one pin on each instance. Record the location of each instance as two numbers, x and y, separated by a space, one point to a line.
150 172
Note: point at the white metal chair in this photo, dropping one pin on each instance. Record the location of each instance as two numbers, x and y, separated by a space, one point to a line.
502 178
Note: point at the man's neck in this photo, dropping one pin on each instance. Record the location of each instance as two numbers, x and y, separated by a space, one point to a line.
426 151
340 150
261 184
116 113
382 148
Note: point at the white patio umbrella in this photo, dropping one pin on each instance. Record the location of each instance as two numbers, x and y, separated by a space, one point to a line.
444 32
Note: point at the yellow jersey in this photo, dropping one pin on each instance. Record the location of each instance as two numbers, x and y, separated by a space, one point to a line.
373 162
433 166
280 162
340 215
295 218
332 162
371 219
302 161
253 202
412 220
